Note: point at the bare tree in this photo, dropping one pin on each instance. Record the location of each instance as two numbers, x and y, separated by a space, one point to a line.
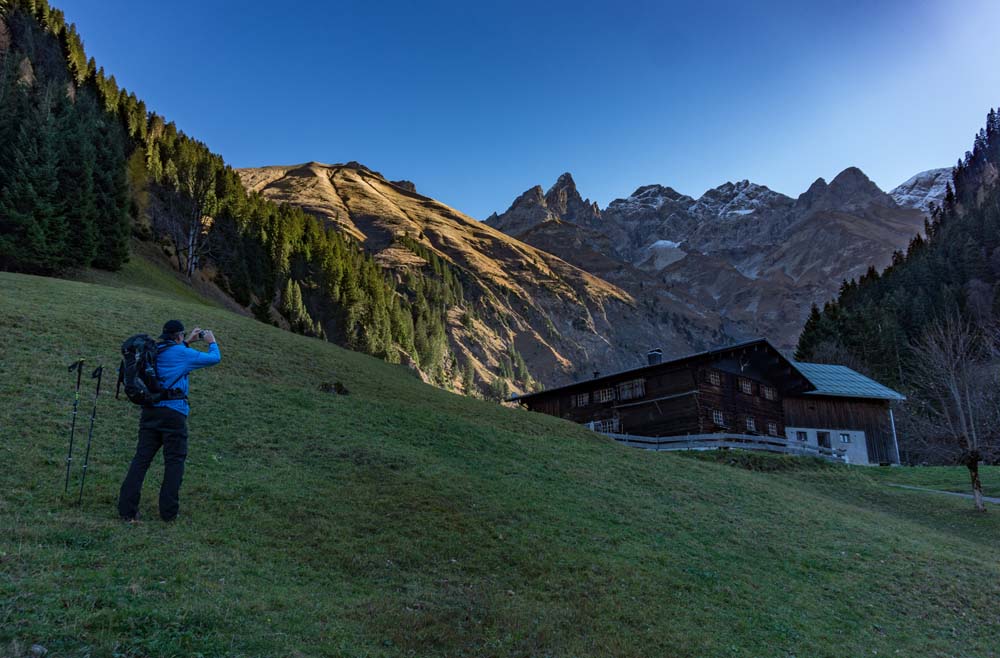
5 39
188 212
5 42
957 406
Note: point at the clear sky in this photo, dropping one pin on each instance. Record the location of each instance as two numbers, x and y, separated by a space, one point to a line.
477 101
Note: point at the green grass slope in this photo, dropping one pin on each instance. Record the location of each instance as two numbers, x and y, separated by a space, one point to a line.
402 520
942 478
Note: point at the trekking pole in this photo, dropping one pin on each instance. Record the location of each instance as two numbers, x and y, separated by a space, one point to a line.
78 366
97 374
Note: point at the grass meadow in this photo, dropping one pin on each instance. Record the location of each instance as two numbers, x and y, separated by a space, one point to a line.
404 520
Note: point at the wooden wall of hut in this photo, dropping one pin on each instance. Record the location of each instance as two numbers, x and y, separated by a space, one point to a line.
869 416
736 405
667 405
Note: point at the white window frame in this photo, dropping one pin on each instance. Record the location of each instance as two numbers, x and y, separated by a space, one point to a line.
845 437
581 400
746 385
715 378
718 417
632 389
606 425
604 395
751 424
768 392
772 429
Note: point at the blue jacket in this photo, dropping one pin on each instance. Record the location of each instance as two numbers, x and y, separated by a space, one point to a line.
175 362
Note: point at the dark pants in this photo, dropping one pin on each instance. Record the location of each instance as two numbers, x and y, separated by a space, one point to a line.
158 426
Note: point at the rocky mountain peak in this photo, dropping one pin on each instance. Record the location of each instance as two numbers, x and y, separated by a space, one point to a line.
853 182
818 187
565 180
854 192
564 201
737 199
528 210
812 196
653 191
648 200
533 196
851 191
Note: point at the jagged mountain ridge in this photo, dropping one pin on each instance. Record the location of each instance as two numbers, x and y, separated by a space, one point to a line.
755 257
564 320
562 203
656 269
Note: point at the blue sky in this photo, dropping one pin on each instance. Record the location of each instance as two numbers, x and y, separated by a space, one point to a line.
477 101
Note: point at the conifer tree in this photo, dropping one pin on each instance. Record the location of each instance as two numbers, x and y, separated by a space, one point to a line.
107 160
32 234
77 200
294 310
469 379
111 195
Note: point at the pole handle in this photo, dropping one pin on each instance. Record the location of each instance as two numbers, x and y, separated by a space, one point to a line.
98 374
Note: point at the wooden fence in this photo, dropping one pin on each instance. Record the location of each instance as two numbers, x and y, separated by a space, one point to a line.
725 440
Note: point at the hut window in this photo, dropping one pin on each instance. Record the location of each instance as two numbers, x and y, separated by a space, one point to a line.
772 429
604 395
845 438
751 424
769 393
746 385
581 399
801 435
606 425
632 389
714 378
718 418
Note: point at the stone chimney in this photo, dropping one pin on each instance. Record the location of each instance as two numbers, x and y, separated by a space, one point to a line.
654 357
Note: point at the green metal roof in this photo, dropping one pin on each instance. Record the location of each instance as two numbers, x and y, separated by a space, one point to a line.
841 381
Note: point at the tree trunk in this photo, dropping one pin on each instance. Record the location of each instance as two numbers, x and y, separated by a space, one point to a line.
972 463
177 254
192 243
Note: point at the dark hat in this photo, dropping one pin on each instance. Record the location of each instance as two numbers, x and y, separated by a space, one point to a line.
171 327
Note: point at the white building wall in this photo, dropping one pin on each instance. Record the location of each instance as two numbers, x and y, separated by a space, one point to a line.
856 450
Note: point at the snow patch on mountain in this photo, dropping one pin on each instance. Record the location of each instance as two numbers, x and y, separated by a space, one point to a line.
647 198
659 254
922 190
735 200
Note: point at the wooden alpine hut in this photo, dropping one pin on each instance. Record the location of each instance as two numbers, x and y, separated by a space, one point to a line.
745 395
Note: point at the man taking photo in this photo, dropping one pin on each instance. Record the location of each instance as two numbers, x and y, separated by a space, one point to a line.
165 423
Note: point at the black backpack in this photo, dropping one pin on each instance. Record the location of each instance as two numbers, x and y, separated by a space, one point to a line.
138 374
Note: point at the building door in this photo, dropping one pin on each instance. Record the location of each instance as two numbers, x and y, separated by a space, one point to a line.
823 438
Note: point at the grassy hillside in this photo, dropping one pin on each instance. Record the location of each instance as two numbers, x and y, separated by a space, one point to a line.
404 520
942 478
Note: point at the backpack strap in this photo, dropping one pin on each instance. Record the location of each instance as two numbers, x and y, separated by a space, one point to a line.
121 378
179 377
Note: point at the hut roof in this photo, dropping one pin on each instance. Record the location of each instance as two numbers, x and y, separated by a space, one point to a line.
842 382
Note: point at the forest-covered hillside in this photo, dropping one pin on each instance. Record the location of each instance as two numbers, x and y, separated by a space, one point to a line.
84 164
953 269
929 324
